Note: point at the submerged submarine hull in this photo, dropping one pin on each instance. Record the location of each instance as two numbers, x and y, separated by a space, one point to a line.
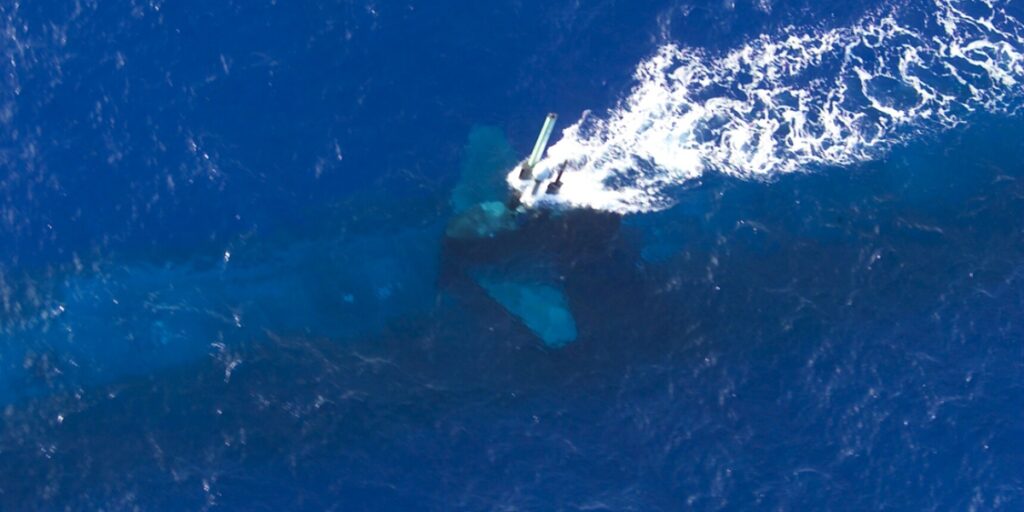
559 238
529 270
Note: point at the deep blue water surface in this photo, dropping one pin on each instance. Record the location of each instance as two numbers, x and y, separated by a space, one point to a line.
225 283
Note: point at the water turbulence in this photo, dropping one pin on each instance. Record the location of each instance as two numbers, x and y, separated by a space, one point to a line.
794 101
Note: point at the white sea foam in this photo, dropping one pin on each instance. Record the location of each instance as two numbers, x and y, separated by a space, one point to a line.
799 100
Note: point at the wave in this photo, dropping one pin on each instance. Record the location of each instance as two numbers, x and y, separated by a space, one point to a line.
795 101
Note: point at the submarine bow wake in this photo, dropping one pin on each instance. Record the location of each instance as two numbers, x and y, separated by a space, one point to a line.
795 101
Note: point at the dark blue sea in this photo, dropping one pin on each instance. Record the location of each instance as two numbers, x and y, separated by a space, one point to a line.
272 255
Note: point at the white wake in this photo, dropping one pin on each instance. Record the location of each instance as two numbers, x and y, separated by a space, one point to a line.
797 101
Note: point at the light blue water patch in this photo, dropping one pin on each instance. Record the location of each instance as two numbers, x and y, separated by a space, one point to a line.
136 318
486 158
542 307
482 220
477 199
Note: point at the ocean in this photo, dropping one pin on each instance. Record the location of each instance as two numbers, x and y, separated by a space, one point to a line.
278 255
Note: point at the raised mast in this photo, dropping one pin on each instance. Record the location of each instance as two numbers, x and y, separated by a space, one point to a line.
538 149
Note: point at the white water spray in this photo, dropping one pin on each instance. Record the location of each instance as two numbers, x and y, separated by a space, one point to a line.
790 102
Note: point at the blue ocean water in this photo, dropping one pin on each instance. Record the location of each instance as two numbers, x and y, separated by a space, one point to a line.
226 282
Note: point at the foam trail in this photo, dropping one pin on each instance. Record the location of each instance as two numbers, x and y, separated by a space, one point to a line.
791 102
